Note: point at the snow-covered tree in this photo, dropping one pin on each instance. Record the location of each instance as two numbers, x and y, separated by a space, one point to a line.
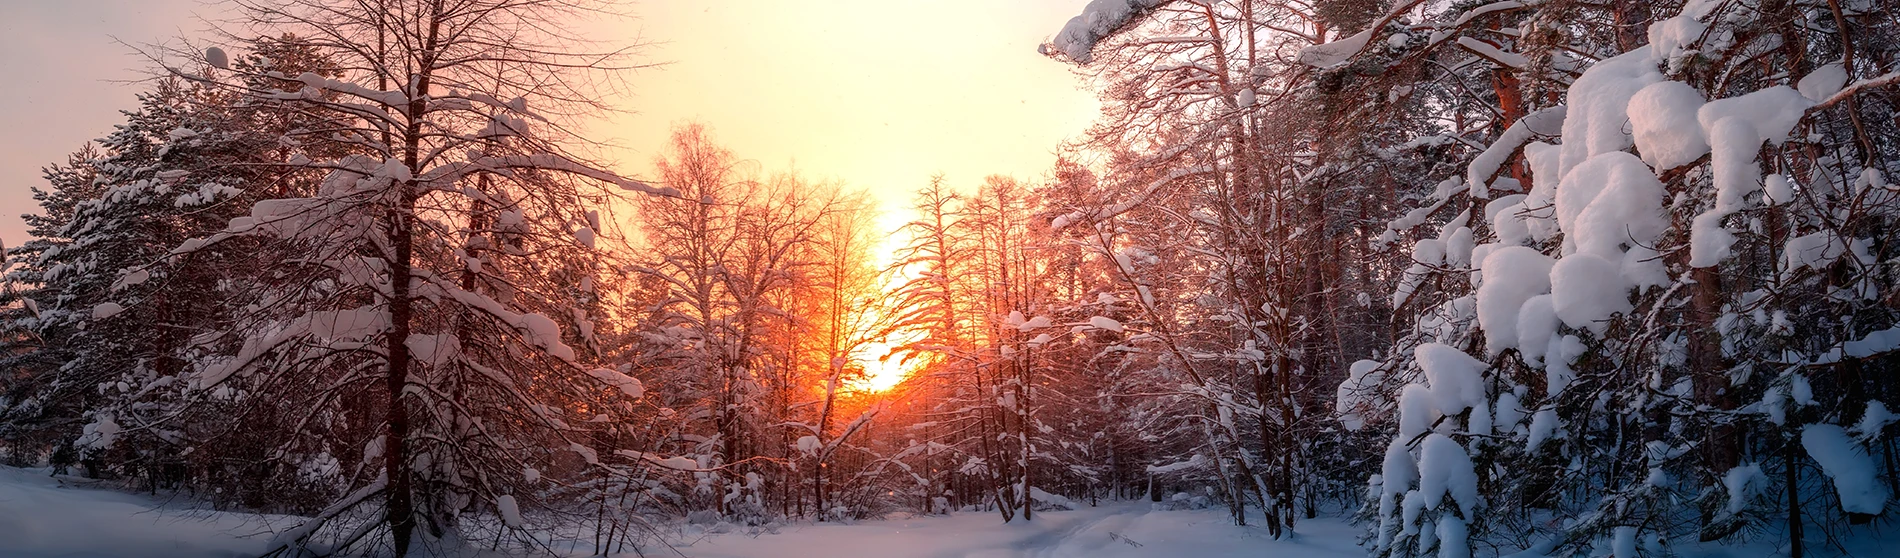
411 332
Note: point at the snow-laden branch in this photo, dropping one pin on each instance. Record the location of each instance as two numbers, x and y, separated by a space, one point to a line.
1547 122
1098 21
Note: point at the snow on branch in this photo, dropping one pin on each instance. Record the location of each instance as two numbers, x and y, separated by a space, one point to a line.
1098 21
1546 122
1491 52
1856 88
1332 54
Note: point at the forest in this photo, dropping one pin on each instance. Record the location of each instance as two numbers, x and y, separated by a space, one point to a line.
1537 277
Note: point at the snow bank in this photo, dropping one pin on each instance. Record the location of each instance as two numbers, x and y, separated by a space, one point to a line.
44 517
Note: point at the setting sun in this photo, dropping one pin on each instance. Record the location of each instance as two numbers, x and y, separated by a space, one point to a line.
882 369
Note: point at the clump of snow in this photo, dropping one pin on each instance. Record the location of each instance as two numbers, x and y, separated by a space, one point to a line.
1509 413
1776 189
1097 21
627 384
1361 385
1536 324
588 454
1623 544
130 278
100 433
809 445
1587 290
1663 116
1335 53
510 512
1417 409
1823 82
1815 251
1100 322
1599 103
1672 39
1856 477
1445 468
1742 483
1456 379
1872 421
1512 275
105 310
541 331
1453 538
1543 428
1736 128
1608 202
1545 122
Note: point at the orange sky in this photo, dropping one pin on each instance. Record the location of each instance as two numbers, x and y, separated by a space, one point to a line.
877 93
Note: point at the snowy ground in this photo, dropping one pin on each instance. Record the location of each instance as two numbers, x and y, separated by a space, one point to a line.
1110 531
43 517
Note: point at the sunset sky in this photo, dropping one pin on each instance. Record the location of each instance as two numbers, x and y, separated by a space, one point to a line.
875 93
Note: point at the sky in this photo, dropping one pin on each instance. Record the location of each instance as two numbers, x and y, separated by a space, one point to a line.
877 94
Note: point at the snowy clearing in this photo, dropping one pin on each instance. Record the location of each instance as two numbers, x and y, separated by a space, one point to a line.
44 517
1112 530
41 516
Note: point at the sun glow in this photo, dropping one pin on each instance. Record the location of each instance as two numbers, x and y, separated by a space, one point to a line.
883 369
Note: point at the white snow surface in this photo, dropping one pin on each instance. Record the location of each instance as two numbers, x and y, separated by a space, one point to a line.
44 517
1112 530
1823 82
